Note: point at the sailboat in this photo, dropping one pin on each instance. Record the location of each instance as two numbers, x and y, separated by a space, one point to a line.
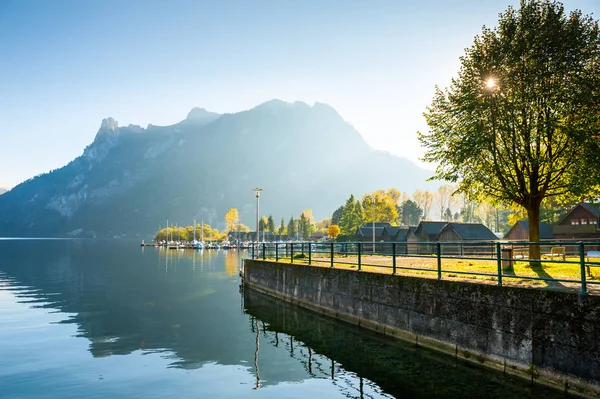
172 244
196 244
180 245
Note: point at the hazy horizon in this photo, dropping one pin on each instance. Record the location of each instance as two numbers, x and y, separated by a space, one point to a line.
66 65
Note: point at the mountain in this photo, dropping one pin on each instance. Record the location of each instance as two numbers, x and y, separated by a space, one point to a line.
131 179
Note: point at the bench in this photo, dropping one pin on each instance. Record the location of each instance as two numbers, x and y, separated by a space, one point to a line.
593 255
557 251
520 253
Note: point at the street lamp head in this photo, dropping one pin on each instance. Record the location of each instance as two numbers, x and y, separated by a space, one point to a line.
257 191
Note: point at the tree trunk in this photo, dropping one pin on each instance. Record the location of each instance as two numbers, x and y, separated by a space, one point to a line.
533 214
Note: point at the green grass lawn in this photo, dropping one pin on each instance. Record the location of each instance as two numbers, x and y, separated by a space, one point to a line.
522 273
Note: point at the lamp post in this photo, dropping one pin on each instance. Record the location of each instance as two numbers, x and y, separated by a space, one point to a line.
373 217
257 193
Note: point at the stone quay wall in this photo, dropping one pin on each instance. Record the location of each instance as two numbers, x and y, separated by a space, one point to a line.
550 337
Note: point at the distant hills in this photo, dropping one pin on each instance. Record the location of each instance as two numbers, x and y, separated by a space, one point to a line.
131 179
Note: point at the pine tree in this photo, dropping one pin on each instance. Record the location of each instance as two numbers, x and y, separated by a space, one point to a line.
271 224
352 216
291 228
281 227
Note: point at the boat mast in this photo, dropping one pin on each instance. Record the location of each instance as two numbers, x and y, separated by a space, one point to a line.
194 230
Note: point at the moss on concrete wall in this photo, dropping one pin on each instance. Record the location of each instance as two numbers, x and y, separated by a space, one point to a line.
549 336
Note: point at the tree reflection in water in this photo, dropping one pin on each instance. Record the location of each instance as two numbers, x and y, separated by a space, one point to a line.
362 363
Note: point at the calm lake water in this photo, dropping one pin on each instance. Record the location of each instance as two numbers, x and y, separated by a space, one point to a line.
100 319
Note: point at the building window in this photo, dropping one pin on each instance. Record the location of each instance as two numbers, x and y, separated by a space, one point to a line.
583 221
574 221
593 221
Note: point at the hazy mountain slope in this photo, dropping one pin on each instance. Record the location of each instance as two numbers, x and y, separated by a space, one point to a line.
130 179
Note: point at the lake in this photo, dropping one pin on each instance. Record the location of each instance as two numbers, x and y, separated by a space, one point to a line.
106 318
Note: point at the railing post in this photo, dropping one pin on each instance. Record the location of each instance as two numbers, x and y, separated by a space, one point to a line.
438 249
264 251
276 252
582 265
291 252
331 254
309 254
359 253
393 258
252 250
499 258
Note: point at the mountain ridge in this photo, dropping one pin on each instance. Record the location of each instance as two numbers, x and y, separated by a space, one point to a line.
130 179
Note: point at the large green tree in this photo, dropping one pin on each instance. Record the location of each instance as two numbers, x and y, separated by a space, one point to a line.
262 227
303 227
380 206
411 213
281 228
271 224
337 215
520 122
291 228
352 216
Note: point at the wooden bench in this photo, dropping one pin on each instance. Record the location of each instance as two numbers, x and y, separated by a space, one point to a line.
593 255
557 251
520 253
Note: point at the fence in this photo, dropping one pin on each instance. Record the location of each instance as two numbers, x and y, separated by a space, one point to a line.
561 261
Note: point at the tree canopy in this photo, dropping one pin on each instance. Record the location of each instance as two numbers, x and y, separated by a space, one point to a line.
271 224
520 123
282 229
411 213
232 218
333 231
337 215
352 216
381 206
291 228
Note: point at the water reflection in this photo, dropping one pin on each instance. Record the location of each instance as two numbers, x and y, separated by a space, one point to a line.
165 300
185 308
358 361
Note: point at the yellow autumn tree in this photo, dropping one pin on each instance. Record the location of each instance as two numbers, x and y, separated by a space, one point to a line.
232 218
333 231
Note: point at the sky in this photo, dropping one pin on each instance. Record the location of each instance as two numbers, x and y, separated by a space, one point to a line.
66 65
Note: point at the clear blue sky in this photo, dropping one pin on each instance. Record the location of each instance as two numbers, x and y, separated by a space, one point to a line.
65 65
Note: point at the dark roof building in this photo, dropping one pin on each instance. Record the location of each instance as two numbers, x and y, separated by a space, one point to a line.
428 231
520 231
466 232
580 222
385 232
365 232
593 209
392 233
398 234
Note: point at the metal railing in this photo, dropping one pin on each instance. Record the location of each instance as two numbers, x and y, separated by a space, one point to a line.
569 261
